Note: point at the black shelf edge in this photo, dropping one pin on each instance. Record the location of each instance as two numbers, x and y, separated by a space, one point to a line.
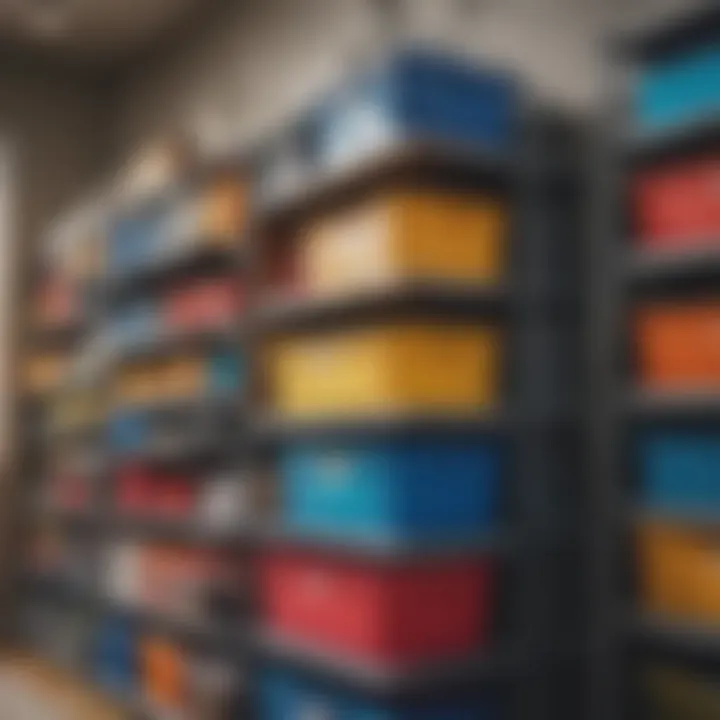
489 667
412 161
676 405
60 336
663 267
697 519
173 343
273 428
677 634
679 31
488 543
411 298
657 146
209 404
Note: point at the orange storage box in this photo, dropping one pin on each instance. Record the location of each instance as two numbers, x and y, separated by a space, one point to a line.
405 235
680 571
679 204
223 210
678 345
164 674
44 372
390 613
398 368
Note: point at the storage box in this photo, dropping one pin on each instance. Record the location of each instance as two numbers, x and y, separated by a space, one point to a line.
207 304
164 673
405 235
389 491
679 345
223 211
285 695
419 96
116 662
389 613
680 571
677 206
679 471
44 372
406 367
680 89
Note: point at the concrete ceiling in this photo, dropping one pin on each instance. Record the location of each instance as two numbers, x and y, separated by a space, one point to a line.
103 30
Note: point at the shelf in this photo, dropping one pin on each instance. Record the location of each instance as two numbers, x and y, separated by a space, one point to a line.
201 257
421 679
684 636
57 336
167 344
489 543
668 268
273 429
417 298
681 30
213 405
416 162
700 405
656 146
178 531
699 519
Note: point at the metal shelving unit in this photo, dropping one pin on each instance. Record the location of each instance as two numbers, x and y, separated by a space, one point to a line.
537 306
622 275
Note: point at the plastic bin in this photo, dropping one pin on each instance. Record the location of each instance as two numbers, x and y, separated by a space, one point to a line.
679 471
392 491
678 206
405 235
408 367
681 89
284 695
164 674
679 345
223 211
680 571
116 661
418 95
388 613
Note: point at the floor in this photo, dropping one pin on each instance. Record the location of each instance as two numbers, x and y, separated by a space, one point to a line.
31 691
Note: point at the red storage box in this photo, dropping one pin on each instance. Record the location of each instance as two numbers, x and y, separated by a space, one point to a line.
209 304
679 204
388 613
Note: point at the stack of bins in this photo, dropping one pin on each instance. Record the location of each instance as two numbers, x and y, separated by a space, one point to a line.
392 483
676 320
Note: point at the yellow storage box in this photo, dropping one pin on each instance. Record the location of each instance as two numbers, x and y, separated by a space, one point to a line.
80 411
405 235
161 381
405 367
44 372
223 210
680 571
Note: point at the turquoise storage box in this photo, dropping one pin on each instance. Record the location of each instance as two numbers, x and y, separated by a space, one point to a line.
285 696
680 472
681 89
392 490
418 95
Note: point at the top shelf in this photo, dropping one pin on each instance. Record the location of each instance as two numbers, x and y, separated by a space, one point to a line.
672 34
416 162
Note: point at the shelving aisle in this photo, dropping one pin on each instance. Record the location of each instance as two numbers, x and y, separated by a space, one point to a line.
655 431
168 579
388 486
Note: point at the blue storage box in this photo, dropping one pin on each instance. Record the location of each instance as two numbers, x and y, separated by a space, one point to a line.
679 90
392 490
115 655
128 432
225 374
137 324
419 96
680 472
284 695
